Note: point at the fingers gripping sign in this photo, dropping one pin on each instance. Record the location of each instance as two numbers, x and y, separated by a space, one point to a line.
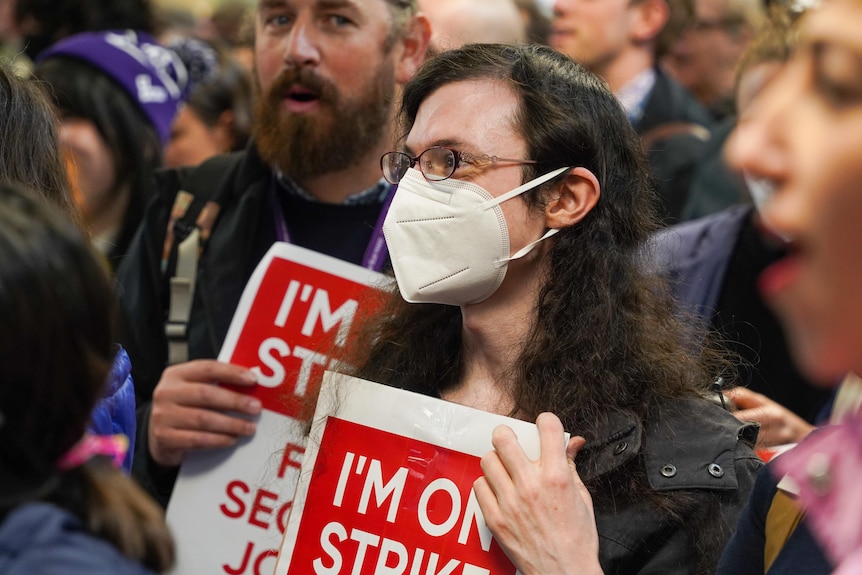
539 511
191 412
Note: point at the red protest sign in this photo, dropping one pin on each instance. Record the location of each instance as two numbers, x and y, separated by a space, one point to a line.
296 316
386 486
391 505
297 325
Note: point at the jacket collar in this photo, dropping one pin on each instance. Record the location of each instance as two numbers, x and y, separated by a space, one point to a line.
686 444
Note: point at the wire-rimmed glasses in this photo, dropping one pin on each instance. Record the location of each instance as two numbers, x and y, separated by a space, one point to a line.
436 163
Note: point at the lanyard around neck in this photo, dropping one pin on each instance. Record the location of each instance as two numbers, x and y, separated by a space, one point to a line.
375 252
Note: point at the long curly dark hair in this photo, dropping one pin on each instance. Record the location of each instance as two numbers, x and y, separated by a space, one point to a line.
605 336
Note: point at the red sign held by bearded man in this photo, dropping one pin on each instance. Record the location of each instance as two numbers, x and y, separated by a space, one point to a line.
295 319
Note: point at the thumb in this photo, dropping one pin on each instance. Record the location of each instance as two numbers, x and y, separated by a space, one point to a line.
574 447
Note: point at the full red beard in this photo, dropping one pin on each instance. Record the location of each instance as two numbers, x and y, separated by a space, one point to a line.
336 136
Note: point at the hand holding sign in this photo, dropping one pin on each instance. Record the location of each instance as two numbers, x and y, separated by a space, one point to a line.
190 413
230 507
539 511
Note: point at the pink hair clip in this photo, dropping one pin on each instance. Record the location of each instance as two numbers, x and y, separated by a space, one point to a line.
90 445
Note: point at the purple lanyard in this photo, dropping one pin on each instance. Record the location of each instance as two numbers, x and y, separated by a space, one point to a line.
375 253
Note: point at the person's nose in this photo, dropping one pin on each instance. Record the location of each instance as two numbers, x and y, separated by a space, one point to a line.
302 47
762 146
758 145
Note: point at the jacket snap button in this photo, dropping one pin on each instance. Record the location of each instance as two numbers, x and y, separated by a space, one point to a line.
715 470
668 470
620 447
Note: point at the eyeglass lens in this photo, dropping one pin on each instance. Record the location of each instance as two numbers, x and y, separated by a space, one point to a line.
435 164
395 166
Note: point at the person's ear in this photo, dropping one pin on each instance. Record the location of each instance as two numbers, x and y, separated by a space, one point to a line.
576 197
648 19
412 48
223 132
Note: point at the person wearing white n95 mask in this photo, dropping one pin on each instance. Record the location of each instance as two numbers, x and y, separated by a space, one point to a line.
523 204
448 239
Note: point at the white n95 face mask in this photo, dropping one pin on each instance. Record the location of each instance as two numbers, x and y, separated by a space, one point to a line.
448 240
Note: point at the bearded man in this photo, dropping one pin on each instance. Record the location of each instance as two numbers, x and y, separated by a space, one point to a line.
329 74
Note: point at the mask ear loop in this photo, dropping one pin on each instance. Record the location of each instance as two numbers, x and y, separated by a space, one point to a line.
516 192
526 249
523 188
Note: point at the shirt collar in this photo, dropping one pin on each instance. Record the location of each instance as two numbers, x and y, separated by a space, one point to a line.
633 96
376 194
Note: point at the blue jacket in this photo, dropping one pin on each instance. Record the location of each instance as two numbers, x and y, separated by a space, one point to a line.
694 256
115 413
43 539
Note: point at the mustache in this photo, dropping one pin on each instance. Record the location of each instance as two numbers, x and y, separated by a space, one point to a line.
306 78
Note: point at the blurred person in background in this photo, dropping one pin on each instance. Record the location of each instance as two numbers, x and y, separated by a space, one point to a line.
30 156
714 185
42 23
116 94
458 22
216 118
232 23
622 42
715 263
63 507
537 18
705 57
29 151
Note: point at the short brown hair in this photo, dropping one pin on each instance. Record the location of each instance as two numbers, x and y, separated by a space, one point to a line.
681 15
401 11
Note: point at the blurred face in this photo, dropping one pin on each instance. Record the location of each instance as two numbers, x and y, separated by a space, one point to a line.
192 141
328 82
94 172
704 58
8 27
592 32
455 22
753 80
804 132
478 116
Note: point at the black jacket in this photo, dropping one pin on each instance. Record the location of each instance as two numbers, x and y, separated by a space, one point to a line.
697 456
675 128
670 102
245 229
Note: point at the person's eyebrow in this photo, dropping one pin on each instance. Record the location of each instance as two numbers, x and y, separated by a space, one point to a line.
271 3
443 143
336 4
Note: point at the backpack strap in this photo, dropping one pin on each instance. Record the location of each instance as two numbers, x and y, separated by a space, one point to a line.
180 295
192 218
